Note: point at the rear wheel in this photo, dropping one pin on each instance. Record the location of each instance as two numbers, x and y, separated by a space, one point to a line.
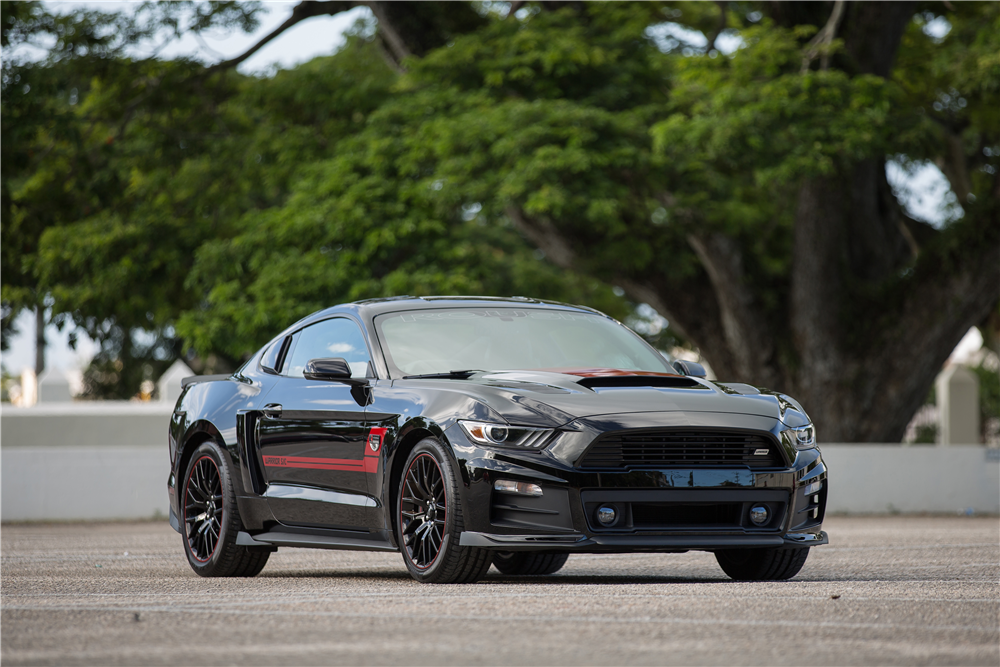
762 564
429 520
527 562
211 518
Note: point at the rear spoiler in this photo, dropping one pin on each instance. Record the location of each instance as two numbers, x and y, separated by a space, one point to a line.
194 379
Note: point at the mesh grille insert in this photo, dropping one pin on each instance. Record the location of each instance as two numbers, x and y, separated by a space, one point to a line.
681 448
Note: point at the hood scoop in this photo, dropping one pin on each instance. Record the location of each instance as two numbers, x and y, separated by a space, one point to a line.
673 382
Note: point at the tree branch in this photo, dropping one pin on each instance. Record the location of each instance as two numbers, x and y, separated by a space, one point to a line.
746 332
302 11
954 286
390 36
545 236
819 45
689 304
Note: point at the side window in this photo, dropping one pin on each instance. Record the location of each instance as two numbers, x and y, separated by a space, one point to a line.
338 337
271 361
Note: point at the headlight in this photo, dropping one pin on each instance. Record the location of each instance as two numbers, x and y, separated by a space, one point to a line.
506 436
804 437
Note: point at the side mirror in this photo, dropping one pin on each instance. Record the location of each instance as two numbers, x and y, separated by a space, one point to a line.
689 368
331 370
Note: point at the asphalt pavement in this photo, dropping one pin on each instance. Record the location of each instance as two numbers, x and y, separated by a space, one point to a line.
887 590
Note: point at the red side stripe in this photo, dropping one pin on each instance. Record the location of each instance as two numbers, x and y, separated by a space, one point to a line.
369 464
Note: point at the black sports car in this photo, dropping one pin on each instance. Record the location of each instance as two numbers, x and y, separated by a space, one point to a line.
466 432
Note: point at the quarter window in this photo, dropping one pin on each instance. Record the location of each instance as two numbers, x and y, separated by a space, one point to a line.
271 361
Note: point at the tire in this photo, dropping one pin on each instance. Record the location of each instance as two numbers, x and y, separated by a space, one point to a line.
429 520
527 562
762 564
211 518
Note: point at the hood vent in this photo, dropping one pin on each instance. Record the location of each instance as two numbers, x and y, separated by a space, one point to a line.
640 381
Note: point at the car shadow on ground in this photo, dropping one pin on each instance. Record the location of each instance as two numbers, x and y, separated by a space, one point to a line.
387 575
495 578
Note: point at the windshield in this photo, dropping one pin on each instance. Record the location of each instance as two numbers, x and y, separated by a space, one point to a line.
439 341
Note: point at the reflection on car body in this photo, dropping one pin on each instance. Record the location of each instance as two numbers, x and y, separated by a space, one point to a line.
470 431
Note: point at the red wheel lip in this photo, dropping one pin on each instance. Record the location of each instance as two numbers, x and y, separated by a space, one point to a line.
187 483
444 533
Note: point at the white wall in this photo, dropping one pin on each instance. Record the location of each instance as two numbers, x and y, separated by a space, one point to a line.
109 461
67 482
100 460
869 479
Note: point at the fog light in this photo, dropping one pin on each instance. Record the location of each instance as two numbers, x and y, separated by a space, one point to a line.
607 515
520 488
758 515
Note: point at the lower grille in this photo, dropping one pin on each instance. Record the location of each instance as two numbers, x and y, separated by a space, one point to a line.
683 510
674 515
664 448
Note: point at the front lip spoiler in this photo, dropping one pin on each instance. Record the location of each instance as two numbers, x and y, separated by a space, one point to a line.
626 543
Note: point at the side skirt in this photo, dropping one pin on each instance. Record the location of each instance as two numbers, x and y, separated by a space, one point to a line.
279 538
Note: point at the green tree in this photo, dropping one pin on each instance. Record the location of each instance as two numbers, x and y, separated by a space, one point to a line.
742 195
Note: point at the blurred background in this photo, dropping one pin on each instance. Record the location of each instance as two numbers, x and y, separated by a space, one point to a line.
803 196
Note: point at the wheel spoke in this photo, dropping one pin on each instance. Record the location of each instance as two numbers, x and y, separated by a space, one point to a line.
422 511
203 508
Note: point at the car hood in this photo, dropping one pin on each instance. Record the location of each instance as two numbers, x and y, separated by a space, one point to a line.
552 398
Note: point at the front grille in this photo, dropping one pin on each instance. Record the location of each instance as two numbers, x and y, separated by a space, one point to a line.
687 448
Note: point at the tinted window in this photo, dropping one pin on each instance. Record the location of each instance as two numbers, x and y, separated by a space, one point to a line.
438 341
338 337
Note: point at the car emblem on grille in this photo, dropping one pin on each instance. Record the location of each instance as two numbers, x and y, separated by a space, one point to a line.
760 452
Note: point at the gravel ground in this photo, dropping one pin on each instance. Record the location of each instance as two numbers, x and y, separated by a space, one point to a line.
887 590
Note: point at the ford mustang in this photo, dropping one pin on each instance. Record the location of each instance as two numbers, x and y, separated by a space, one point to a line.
470 432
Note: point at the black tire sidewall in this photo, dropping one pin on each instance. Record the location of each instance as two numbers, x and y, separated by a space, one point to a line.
222 556
452 523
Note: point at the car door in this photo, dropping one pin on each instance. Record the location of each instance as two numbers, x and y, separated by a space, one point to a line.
312 435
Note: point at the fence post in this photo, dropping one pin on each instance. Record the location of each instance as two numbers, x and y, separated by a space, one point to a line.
958 406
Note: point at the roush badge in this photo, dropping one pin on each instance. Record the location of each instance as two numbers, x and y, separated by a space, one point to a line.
375 439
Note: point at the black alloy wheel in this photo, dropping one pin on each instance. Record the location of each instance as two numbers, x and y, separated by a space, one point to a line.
203 508
762 564
429 520
211 518
528 562
423 509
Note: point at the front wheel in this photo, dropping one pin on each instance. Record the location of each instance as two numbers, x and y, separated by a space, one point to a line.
762 564
211 518
429 520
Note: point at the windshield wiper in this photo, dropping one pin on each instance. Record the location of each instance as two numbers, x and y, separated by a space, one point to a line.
450 375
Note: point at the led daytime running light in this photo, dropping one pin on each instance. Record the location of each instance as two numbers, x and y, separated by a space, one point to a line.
485 433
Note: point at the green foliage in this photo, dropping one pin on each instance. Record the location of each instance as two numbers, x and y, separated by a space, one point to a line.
988 372
212 209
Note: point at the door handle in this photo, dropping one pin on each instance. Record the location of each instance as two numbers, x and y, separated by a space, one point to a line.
272 410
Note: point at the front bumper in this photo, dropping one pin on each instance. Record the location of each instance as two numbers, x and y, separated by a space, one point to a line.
660 510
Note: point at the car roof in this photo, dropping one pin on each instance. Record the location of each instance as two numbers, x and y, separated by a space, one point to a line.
369 308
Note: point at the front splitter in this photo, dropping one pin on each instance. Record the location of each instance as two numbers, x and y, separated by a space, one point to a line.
628 543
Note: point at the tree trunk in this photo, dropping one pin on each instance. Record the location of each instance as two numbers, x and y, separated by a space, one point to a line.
39 340
868 323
